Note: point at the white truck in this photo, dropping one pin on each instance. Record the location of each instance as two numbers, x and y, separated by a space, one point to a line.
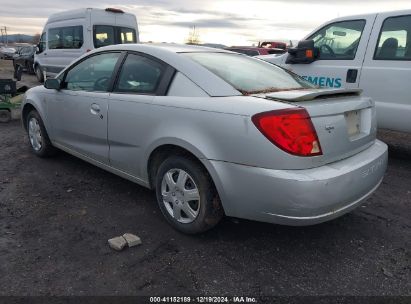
70 34
371 52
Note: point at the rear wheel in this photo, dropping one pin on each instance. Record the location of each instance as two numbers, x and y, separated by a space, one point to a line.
187 196
5 116
16 68
39 73
39 141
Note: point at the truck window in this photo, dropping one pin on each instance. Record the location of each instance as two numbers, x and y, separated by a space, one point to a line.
127 35
339 40
70 37
108 35
103 35
394 42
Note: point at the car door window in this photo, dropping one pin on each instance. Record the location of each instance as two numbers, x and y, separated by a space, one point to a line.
92 74
139 75
339 41
394 42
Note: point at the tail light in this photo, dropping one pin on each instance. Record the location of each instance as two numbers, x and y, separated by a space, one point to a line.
291 130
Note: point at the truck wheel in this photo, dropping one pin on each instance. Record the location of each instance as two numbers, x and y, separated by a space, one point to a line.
39 73
187 196
5 116
38 138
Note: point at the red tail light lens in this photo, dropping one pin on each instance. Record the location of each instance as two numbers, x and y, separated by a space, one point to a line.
291 130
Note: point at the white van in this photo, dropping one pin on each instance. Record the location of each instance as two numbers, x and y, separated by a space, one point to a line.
371 52
70 34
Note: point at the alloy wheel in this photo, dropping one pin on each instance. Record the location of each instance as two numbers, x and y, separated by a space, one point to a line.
36 139
180 195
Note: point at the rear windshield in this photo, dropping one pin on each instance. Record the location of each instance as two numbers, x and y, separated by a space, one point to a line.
249 75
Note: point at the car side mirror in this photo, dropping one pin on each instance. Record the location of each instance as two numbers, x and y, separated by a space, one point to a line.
53 84
38 49
305 52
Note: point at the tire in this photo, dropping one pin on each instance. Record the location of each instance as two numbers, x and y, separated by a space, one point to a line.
39 73
5 116
15 66
191 216
29 67
37 135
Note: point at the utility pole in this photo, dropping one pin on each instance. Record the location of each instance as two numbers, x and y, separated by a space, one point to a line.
4 34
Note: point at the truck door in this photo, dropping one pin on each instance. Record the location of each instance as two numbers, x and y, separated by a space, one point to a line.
386 71
342 45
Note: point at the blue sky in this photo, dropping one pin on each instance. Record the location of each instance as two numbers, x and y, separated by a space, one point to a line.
230 22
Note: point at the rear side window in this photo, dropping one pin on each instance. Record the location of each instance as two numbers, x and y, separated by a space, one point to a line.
70 37
339 41
139 75
394 42
108 35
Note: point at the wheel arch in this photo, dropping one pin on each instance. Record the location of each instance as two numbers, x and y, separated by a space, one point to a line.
161 151
26 109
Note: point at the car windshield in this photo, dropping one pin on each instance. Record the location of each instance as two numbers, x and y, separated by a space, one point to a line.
249 75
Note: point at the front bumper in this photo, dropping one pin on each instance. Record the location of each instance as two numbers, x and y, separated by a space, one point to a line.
301 197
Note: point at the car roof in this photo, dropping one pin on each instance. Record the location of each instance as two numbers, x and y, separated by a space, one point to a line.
171 55
252 48
168 47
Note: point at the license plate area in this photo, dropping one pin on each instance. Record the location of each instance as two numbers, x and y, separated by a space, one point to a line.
353 121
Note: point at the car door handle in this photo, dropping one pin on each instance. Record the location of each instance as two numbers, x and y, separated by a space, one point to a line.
95 109
352 76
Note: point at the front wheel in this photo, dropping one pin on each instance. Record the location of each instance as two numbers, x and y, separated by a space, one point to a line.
39 140
186 195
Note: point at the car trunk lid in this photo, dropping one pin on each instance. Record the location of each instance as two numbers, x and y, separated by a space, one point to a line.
344 121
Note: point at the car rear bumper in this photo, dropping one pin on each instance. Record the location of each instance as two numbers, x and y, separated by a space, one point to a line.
301 197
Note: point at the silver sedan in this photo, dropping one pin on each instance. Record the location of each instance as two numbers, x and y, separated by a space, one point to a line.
213 132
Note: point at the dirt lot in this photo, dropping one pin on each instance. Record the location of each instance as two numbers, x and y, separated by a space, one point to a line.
57 214
6 71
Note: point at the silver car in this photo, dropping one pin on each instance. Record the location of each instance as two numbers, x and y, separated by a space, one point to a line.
213 133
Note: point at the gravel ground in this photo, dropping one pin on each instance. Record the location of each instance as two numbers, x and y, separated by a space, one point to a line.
57 214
